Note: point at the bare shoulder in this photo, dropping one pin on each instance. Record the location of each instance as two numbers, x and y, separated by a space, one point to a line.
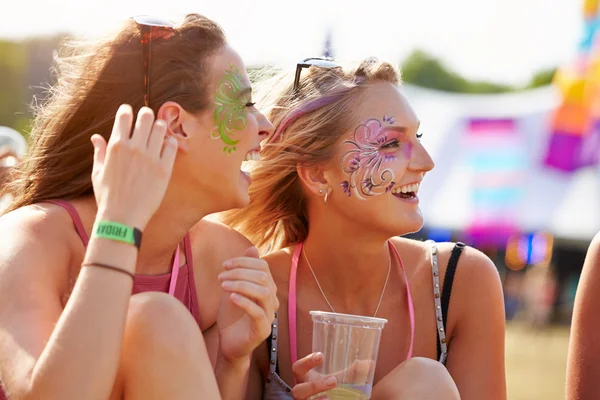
472 262
415 255
46 227
37 244
214 242
473 266
280 263
591 272
593 255
476 294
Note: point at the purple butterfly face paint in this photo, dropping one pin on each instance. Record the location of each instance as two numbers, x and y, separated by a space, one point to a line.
375 144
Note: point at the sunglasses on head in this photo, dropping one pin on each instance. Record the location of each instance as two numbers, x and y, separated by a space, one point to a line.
151 28
321 62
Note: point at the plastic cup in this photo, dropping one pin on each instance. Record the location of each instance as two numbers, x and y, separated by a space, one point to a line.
350 344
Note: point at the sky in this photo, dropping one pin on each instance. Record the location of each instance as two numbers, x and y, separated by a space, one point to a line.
499 40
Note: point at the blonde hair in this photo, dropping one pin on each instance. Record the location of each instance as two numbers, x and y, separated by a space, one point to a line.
94 79
308 126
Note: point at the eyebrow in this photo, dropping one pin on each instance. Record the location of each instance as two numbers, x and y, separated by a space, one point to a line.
400 129
244 90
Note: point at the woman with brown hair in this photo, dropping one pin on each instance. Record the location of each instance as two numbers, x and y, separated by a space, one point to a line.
336 185
71 248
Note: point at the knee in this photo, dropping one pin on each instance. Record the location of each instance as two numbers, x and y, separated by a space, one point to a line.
159 322
428 379
418 366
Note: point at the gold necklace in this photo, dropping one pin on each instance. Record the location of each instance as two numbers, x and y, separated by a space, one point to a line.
323 293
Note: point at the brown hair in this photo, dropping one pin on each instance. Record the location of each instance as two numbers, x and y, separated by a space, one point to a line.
93 81
308 126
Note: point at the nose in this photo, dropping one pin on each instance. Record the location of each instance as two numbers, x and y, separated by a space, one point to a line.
265 127
420 161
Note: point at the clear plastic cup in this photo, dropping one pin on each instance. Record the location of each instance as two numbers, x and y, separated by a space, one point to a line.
350 344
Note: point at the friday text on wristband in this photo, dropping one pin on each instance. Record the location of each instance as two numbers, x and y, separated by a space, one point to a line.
117 231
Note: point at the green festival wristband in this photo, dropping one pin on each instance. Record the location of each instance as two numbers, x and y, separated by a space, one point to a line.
119 232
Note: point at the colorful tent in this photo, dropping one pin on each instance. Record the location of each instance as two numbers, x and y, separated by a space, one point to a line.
575 127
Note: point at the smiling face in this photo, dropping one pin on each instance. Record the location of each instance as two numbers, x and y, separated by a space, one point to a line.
218 140
378 167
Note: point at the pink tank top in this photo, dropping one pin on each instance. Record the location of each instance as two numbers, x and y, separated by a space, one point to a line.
179 282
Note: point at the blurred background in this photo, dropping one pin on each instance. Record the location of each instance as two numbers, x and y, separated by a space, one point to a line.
507 94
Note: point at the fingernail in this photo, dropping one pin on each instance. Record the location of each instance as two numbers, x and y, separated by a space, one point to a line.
226 285
317 356
227 263
236 297
331 381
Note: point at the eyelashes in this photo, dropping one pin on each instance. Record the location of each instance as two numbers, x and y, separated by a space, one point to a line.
250 104
393 144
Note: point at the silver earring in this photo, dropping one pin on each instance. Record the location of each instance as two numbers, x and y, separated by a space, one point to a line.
320 191
326 196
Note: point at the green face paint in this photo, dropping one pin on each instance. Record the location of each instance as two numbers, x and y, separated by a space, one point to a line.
230 109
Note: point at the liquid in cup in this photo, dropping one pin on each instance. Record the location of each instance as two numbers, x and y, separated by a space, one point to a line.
350 344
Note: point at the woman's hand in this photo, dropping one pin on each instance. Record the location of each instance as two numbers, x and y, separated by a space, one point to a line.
247 309
131 172
304 388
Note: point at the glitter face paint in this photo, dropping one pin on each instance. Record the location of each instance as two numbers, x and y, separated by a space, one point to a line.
374 144
230 109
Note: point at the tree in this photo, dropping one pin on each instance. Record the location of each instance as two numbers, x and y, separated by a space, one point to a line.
422 69
541 78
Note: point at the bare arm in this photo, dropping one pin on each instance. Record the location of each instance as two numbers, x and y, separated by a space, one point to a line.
583 364
50 353
476 349
218 244
256 381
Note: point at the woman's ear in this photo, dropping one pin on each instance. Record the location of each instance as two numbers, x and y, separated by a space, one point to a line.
173 114
314 179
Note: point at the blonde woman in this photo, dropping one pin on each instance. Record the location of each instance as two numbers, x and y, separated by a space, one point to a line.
336 185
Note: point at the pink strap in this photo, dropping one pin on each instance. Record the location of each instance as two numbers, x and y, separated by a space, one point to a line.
75 217
174 273
411 307
84 238
292 303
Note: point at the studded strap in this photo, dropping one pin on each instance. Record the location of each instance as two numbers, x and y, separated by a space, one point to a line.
439 319
273 349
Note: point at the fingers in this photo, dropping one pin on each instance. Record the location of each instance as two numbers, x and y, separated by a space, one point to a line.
357 373
157 138
301 367
99 149
246 262
244 274
308 389
251 308
260 295
251 263
143 126
251 277
251 252
123 122
169 152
